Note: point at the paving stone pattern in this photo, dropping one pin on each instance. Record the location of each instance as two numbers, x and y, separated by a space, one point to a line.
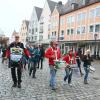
38 89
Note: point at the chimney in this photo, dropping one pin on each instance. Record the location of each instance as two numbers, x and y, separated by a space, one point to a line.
74 6
60 3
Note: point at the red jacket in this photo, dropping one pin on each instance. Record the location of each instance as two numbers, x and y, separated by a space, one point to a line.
50 52
68 58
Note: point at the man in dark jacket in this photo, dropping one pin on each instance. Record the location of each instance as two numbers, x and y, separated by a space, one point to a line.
42 53
14 53
86 63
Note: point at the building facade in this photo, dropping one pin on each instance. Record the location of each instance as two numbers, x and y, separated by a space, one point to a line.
24 31
13 36
78 25
33 28
44 22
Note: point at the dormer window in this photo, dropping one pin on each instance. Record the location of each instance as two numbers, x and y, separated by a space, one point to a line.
74 5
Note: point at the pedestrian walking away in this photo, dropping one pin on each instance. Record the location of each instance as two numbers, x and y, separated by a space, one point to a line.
14 53
78 61
53 53
34 61
41 57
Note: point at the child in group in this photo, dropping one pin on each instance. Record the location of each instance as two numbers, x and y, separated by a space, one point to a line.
70 60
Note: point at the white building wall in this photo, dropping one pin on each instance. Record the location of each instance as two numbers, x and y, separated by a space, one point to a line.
33 23
46 17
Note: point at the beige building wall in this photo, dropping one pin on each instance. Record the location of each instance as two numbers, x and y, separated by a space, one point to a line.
23 31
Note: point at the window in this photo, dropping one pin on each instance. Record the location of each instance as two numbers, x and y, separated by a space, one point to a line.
55 33
48 36
98 11
29 30
97 28
32 31
83 29
49 27
35 37
61 21
92 13
72 31
70 19
36 29
62 33
40 37
78 30
91 28
68 31
52 33
32 38
81 16
41 28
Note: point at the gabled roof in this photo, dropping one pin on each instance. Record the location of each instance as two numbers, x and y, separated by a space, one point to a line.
52 5
38 12
15 33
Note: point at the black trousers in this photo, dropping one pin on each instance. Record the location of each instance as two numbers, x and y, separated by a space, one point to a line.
40 60
16 78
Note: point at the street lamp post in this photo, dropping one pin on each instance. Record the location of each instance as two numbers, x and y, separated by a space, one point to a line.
95 51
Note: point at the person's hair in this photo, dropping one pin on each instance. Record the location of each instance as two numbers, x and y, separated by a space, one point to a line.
51 43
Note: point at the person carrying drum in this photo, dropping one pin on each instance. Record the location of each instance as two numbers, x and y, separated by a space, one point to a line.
14 53
53 53
70 60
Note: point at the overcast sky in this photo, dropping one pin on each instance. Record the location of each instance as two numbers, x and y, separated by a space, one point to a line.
12 12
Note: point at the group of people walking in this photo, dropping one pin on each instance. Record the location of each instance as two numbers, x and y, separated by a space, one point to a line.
71 58
19 56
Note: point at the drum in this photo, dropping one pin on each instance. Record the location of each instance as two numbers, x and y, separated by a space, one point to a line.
59 64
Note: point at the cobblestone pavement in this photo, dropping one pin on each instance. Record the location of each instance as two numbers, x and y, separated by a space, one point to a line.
38 89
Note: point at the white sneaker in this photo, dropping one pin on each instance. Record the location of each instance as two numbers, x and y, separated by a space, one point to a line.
64 82
70 85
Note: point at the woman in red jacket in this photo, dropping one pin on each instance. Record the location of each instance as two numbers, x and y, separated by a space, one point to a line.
70 60
53 53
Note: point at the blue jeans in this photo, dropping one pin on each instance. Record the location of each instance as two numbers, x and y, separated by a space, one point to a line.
69 72
53 76
86 69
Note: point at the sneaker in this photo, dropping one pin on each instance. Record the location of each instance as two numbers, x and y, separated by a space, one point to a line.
85 82
19 85
53 88
34 77
64 82
70 85
14 85
29 74
50 85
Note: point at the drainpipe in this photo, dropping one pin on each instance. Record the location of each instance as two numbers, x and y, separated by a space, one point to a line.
59 28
